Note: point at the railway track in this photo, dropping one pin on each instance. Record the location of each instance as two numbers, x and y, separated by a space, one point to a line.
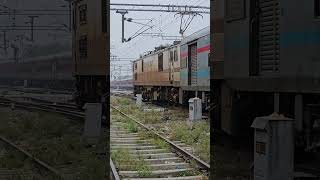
43 170
123 93
34 104
130 95
161 163
7 146
42 105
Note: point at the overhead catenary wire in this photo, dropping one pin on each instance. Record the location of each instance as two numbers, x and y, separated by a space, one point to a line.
142 37
127 48
164 26
141 28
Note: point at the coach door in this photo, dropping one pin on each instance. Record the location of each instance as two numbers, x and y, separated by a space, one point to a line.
171 68
192 64
265 32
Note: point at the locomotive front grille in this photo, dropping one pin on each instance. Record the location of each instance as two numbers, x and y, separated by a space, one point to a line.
269 53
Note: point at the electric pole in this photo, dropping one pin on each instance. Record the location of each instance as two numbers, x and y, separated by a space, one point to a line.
122 12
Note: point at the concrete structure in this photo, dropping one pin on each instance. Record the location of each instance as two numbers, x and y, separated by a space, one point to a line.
274 148
92 128
195 109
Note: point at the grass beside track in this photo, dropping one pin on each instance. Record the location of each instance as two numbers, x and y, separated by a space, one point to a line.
172 124
137 163
53 139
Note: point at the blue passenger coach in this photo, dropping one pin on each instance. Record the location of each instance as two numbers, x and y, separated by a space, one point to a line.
195 69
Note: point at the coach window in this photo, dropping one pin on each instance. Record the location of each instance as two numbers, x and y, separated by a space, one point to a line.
183 62
135 66
83 47
83 14
317 8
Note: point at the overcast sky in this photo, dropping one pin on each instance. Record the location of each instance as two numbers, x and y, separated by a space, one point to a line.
162 21
40 37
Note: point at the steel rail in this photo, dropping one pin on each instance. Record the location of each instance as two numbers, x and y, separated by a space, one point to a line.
46 108
203 166
32 106
40 107
34 159
71 107
114 172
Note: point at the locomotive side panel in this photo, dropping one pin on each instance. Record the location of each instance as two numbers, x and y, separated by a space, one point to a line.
90 53
299 40
154 69
90 42
280 53
194 54
164 74
237 37
139 71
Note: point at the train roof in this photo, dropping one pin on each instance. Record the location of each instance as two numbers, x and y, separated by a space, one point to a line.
156 52
203 32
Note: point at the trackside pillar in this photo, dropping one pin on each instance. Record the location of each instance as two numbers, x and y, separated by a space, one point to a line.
92 128
180 96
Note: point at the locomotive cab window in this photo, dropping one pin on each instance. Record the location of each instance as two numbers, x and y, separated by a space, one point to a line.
160 62
235 10
142 64
317 8
83 14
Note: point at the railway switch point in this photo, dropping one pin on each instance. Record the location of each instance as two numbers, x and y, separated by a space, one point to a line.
195 109
93 116
273 149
